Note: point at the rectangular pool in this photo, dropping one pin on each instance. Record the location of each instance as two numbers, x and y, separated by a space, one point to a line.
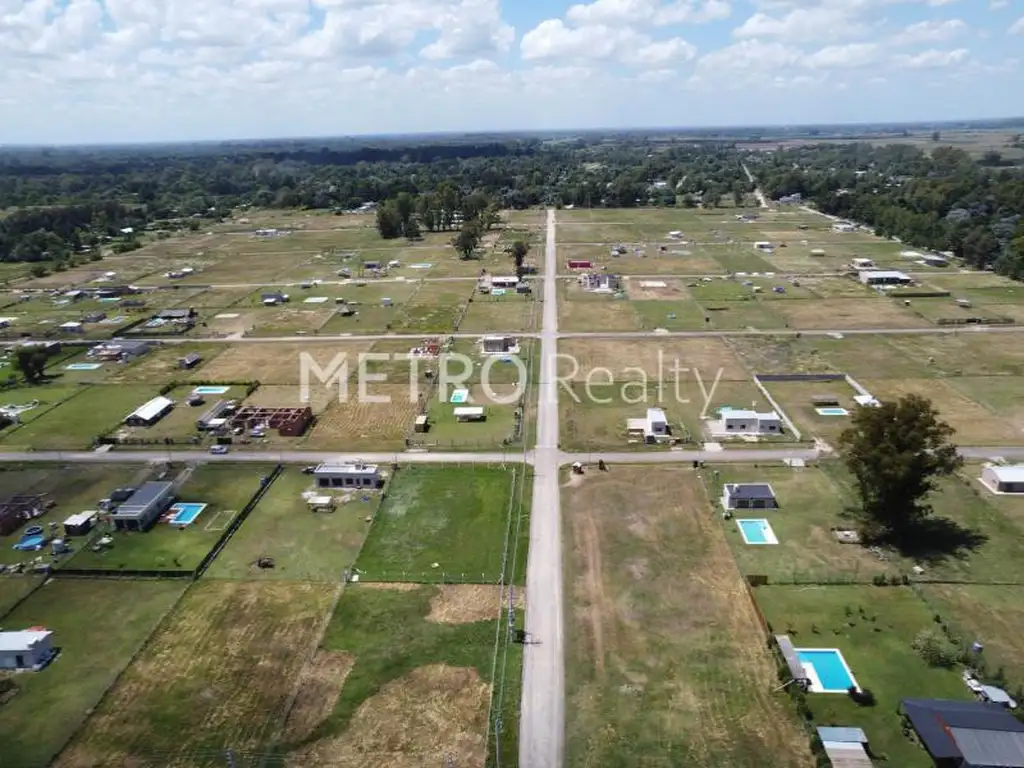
832 411
210 390
185 513
757 531
827 670
82 366
459 396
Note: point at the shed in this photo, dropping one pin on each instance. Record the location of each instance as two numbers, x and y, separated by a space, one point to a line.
1009 479
817 251
884 277
421 424
749 496
144 506
191 360
508 281
824 400
26 649
967 734
580 264
149 413
80 523
845 747
469 413
998 696
71 327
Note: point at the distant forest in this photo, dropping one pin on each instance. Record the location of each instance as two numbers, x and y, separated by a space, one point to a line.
64 205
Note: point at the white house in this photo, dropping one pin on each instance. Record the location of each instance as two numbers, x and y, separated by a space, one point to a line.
749 496
504 281
149 413
356 475
861 264
653 426
599 282
26 649
764 246
1004 479
884 277
469 413
742 422
844 226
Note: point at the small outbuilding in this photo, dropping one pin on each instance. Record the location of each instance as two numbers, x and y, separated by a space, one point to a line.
845 747
469 413
80 523
749 496
149 413
1004 479
884 277
191 360
28 649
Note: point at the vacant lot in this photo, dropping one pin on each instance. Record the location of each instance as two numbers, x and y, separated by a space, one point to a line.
868 356
304 545
161 365
666 661
280 362
657 359
964 353
224 488
217 674
366 425
873 627
395 683
496 314
848 313
447 523
51 704
587 313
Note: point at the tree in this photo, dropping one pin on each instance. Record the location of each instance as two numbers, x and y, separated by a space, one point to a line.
936 136
467 240
896 451
518 251
31 361
389 222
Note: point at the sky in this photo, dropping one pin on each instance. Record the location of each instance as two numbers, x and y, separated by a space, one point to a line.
102 71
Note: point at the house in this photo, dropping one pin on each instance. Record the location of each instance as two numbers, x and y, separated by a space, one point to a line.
421 424
504 281
749 496
884 277
149 413
357 475
273 298
74 295
175 315
599 282
499 345
868 401
751 422
860 264
933 260
80 523
142 508
966 734
26 649
71 327
845 747
579 264
120 350
216 416
94 317
817 252
1005 479
191 360
765 246
795 199
653 427
523 287
844 226
469 413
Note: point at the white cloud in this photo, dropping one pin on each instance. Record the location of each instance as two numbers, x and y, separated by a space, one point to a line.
851 56
929 32
998 5
649 12
746 57
804 24
553 40
473 28
1017 28
932 59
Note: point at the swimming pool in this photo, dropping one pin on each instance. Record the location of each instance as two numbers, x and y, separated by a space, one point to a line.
459 396
757 531
827 670
210 390
185 513
832 411
82 366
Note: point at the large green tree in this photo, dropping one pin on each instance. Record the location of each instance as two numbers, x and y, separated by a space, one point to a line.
518 251
467 239
896 452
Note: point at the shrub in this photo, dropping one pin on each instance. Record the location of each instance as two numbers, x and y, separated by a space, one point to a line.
861 697
935 649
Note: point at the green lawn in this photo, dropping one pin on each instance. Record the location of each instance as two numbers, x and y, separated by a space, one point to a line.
873 627
226 488
98 625
13 588
305 546
455 517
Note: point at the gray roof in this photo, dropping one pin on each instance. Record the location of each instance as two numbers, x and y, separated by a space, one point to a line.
932 717
989 749
147 493
843 734
750 491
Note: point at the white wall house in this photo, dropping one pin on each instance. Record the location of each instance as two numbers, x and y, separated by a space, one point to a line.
1004 479
347 475
653 427
885 277
26 649
749 496
743 422
764 246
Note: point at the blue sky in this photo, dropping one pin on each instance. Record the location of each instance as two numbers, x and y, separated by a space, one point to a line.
125 70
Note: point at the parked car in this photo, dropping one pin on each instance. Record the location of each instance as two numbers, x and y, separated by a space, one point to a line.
218 450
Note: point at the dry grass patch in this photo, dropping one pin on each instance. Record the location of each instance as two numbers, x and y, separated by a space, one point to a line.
354 424
848 313
655 358
319 686
468 603
433 712
283 396
591 314
649 288
276 362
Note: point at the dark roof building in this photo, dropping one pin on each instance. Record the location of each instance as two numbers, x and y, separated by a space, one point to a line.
967 734
140 511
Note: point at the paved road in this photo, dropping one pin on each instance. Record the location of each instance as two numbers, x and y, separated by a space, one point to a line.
542 718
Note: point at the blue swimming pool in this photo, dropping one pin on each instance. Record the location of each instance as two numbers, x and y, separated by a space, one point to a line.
827 670
757 531
206 389
832 412
459 396
186 513
82 366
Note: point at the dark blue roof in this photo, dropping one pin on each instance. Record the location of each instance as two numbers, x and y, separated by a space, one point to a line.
751 491
932 717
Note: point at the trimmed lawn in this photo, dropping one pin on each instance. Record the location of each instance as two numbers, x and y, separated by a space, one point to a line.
446 523
873 627
305 546
98 626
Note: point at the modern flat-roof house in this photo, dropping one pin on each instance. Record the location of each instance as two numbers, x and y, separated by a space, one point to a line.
26 649
215 416
1004 479
149 413
191 360
142 508
599 282
966 734
71 326
862 264
884 277
742 422
653 426
749 496
347 475
273 298
469 413
499 345
175 315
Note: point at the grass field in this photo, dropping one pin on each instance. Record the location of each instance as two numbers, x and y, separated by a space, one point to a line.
365 425
873 627
225 488
666 663
277 363
403 678
13 588
217 674
304 545
98 626
447 523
